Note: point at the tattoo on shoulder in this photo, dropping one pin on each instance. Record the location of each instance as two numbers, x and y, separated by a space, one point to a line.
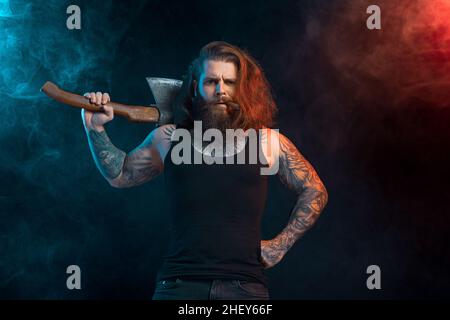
295 171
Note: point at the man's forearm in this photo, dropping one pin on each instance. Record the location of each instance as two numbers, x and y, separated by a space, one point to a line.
307 209
309 205
108 158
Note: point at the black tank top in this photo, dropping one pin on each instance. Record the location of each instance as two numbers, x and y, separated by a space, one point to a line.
216 212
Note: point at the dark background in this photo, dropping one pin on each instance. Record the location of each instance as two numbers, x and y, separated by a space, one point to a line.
369 108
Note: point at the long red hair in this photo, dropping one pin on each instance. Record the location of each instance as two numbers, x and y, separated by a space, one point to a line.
253 93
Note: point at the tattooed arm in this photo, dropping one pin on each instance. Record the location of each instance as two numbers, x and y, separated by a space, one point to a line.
142 164
298 175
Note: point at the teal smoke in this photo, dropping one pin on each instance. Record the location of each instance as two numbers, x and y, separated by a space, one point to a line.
36 147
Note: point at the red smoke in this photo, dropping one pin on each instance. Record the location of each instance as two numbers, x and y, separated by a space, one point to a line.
408 59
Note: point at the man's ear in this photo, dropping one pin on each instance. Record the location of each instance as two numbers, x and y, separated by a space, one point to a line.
194 85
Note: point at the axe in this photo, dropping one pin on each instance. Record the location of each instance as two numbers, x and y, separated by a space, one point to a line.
164 91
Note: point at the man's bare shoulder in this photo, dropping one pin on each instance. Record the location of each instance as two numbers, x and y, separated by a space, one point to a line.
163 132
270 141
273 138
160 138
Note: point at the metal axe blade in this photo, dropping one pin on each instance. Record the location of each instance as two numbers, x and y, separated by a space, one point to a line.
164 91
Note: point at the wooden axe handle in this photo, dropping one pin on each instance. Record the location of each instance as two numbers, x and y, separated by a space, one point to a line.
132 113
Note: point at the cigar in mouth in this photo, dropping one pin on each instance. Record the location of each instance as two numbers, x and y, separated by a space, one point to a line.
233 107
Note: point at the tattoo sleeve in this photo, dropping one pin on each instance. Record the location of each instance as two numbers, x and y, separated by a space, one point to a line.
108 158
141 165
127 170
299 175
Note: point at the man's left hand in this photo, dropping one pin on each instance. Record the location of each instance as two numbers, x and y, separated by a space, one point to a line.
271 253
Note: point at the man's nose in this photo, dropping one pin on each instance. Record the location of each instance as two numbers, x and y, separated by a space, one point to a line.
220 89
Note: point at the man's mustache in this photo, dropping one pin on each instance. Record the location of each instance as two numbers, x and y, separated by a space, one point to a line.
232 106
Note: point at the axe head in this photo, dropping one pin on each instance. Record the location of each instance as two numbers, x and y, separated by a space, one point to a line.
165 92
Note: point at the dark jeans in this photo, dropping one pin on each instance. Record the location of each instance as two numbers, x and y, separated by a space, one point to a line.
184 289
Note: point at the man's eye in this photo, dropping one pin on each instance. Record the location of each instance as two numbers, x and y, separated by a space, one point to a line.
209 81
230 82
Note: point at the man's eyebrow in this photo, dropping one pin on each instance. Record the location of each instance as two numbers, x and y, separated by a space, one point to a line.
212 77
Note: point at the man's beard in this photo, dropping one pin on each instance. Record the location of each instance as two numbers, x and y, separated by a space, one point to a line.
216 116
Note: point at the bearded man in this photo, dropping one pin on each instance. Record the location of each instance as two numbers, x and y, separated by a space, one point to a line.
216 250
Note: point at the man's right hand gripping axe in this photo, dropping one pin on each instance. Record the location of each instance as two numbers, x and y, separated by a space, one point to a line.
164 91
